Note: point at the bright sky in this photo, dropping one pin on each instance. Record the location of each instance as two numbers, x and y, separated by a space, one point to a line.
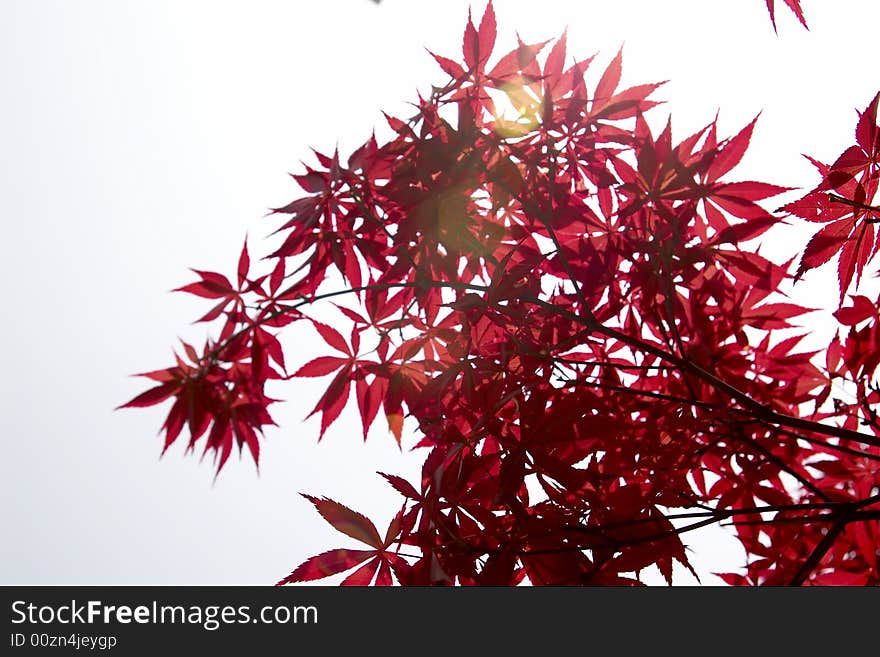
141 138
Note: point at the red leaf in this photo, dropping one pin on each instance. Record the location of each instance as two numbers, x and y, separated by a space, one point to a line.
609 80
352 315
519 59
750 190
867 130
842 578
214 313
629 102
326 564
363 575
845 168
152 396
861 310
773 314
847 264
214 278
206 289
321 366
332 337
312 182
395 425
383 578
221 440
244 264
824 244
793 5
246 433
277 277
369 398
555 64
402 486
451 68
351 523
734 579
469 44
352 268
731 152
815 206
772 9
333 400
486 34
745 231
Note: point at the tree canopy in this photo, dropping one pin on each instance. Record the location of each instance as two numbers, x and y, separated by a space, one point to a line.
571 308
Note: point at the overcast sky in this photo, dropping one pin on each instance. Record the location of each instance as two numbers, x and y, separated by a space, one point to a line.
140 138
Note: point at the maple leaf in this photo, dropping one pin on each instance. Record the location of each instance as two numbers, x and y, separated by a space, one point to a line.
216 286
793 5
844 200
375 562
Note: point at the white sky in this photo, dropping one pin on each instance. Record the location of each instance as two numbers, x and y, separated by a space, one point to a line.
141 138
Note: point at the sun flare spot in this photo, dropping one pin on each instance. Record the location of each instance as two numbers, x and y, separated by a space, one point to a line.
518 107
